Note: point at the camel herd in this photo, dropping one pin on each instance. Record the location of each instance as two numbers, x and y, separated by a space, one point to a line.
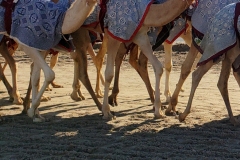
123 34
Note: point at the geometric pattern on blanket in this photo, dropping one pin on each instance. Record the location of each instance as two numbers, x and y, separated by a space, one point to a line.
220 36
36 23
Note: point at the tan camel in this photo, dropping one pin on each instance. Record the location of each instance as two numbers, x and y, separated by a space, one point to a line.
191 57
141 39
229 48
7 51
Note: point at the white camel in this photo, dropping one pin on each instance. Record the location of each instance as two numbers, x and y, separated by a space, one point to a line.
217 45
201 17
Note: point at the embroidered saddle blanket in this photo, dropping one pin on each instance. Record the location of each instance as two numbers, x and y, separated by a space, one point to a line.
36 23
202 16
123 18
221 34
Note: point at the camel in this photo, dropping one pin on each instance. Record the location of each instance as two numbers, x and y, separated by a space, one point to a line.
199 29
224 47
150 19
69 20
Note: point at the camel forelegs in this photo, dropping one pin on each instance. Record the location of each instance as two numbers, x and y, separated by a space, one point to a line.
196 78
112 48
185 71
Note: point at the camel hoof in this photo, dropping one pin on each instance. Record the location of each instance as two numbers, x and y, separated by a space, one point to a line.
57 86
234 121
159 115
109 116
38 119
181 117
30 112
18 101
48 89
76 98
45 99
99 95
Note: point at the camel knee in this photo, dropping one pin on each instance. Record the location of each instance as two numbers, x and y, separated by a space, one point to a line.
185 71
222 85
168 68
49 76
108 78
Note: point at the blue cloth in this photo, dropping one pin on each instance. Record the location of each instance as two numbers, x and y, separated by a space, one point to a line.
37 23
221 34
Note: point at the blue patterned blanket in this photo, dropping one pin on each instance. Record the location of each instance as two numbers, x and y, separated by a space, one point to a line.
221 34
202 16
123 18
36 23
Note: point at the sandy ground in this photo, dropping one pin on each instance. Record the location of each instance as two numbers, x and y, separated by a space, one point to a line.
76 129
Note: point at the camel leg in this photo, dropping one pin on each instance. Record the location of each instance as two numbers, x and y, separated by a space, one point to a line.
112 48
196 78
81 36
93 56
98 63
187 37
5 82
39 63
168 69
53 62
13 67
142 69
223 87
76 93
112 99
185 71
231 56
142 41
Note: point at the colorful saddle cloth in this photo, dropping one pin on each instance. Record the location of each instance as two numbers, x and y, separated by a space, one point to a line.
36 23
221 34
202 16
